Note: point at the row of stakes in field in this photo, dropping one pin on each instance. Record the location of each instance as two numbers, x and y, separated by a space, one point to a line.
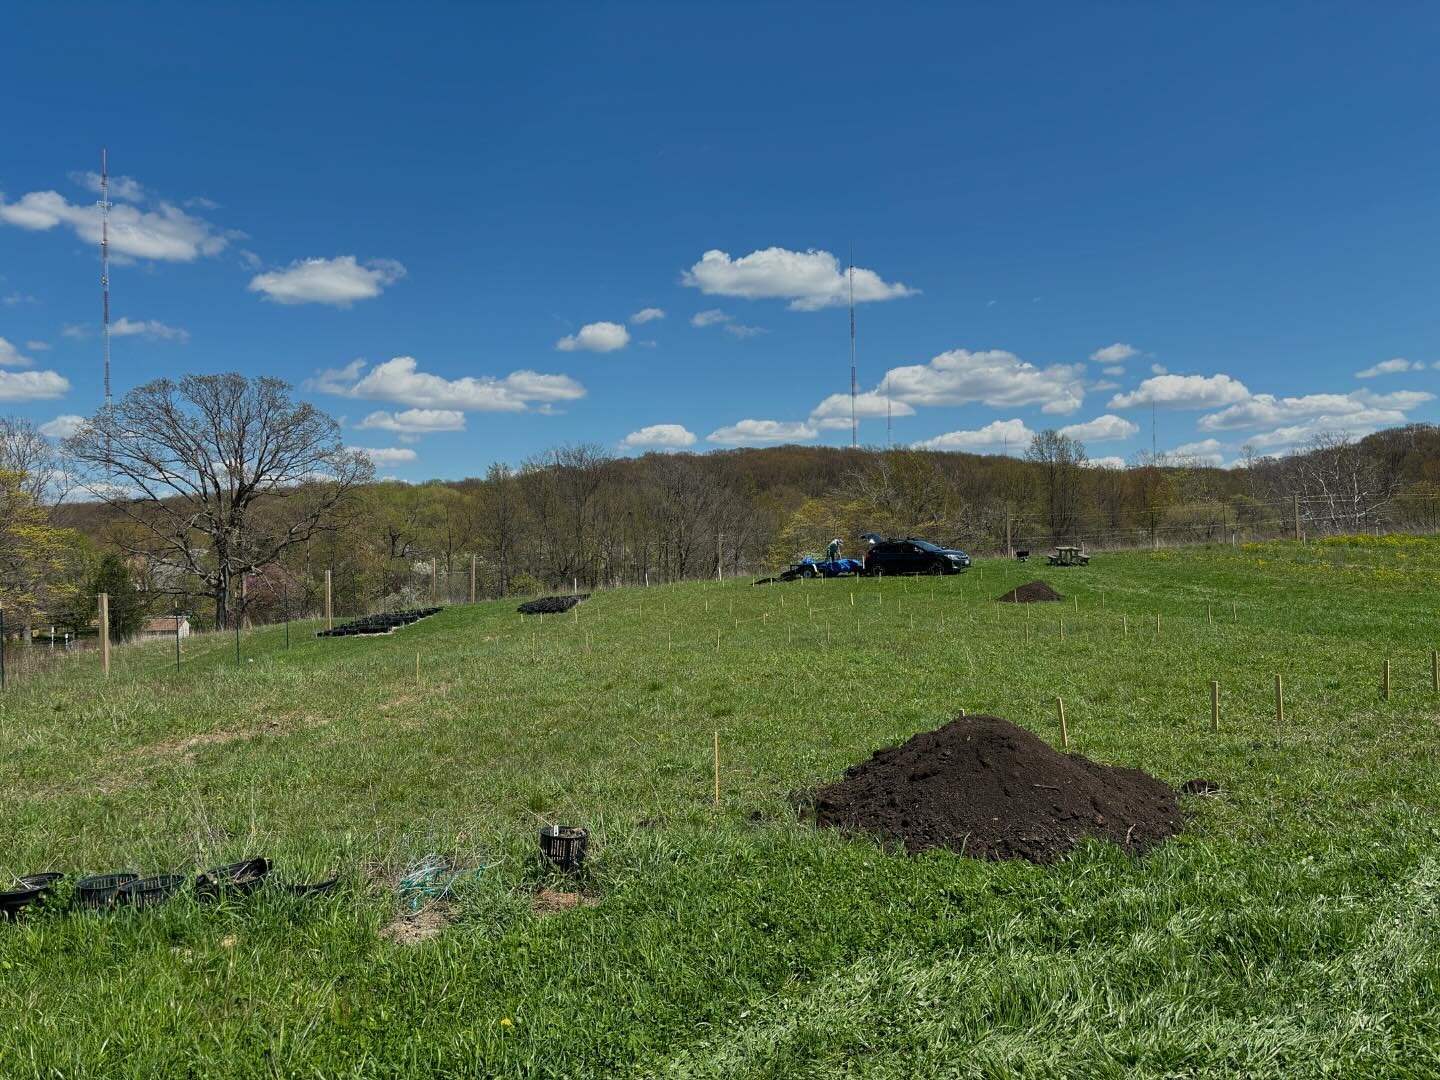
1386 681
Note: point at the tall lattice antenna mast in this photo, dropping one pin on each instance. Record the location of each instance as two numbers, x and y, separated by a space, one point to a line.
105 264
854 382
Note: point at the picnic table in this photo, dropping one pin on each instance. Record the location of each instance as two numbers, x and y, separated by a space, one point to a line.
1066 555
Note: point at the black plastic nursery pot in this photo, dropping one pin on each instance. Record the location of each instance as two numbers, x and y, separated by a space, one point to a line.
149 891
99 891
565 846
31 889
236 879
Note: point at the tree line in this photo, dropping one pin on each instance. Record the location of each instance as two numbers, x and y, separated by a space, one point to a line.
222 496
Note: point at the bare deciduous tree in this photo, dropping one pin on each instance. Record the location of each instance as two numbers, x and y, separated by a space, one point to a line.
220 473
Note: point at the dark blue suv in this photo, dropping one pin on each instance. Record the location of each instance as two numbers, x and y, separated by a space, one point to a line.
909 556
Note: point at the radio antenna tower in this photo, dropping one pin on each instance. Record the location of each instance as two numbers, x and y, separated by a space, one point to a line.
105 265
854 382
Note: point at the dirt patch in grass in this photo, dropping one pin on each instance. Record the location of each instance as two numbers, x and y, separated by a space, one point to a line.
555 901
551 605
1031 592
417 927
185 747
984 787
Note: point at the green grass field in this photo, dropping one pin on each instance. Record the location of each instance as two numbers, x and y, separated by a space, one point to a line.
1292 930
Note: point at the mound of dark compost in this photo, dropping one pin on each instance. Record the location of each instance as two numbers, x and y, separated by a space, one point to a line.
551 605
1030 593
984 787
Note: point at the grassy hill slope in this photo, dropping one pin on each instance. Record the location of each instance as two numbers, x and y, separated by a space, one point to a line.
1292 930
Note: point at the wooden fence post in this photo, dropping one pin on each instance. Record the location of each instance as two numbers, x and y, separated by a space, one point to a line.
105 633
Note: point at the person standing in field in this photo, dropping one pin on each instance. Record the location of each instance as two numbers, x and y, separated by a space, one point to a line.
833 551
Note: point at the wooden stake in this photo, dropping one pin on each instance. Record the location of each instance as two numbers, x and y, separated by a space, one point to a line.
104 633
1157 624
1209 615
1064 728
962 714
717 770
1385 681
1214 705
1279 698
852 597
1125 626
1077 604
1062 629
1234 611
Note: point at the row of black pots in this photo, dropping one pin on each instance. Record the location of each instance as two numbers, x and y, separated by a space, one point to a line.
126 889
379 624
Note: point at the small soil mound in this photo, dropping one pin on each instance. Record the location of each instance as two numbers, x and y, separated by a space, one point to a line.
551 605
556 901
418 927
984 787
1030 593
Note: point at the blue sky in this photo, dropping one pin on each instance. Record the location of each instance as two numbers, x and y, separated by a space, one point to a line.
445 222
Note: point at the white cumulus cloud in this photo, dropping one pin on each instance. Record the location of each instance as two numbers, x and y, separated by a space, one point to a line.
1183 392
834 412
659 436
166 234
1114 354
386 456
1359 407
709 317
649 314
810 280
62 427
993 377
10 356
763 432
416 421
339 281
1006 436
32 385
1107 428
38 346
596 337
400 380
